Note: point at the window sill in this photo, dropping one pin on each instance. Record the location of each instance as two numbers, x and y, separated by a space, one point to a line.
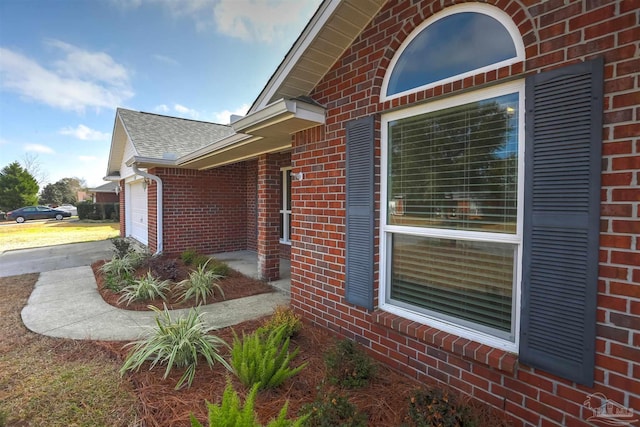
481 353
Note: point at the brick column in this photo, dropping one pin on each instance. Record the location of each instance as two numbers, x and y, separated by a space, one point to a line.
268 217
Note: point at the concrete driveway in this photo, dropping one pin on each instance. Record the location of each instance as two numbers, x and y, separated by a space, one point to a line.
38 260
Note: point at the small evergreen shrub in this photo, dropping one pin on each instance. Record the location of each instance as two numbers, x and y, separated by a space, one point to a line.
219 267
333 410
283 315
264 358
437 408
348 365
121 247
120 266
230 413
200 260
176 343
188 256
200 284
117 283
144 289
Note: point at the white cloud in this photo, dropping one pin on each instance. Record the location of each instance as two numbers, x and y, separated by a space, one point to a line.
85 133
162 108
78 80
224 117
263 21
38 148
257 20
185 111
165 59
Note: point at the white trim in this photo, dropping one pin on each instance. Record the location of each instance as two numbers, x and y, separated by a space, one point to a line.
286 213
485 9
516 239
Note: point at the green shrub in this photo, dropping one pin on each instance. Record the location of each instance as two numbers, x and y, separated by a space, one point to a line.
219 267
200 284
348 365
200 260
437 407
176 343
333 410
121 247
120 266
264 358
188 256
144 289
283 315
117 283
229 413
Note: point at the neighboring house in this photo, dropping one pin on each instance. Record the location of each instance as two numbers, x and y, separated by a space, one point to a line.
464 202
105 193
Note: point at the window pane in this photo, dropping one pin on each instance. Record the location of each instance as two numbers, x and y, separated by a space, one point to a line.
282 226
453 45
470 281
456 168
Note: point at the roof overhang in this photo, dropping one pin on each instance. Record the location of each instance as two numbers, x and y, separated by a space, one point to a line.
281 119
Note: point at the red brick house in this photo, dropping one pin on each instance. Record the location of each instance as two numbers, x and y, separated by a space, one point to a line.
465 198
105 193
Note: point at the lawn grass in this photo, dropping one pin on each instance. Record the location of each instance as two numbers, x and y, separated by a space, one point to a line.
55 382
47 233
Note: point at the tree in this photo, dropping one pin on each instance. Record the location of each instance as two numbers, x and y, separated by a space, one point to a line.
17 187
31 163
62 192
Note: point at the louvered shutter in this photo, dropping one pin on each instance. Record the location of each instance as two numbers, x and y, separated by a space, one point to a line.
561 225
360 212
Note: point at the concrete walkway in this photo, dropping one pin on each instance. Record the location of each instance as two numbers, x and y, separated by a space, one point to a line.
66 304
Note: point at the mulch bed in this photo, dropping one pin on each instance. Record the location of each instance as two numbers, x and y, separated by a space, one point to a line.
235 285
385 400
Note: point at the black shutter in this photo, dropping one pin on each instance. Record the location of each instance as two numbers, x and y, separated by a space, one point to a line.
564 111
360 212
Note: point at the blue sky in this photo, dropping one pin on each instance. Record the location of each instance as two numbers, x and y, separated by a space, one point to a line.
66 65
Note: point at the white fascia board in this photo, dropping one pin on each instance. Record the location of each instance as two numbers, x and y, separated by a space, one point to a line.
325 11
278 111
234 139
136 160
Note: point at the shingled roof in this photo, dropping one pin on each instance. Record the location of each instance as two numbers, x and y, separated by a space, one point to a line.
156 136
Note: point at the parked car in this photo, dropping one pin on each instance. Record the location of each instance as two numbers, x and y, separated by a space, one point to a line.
36 212
68 208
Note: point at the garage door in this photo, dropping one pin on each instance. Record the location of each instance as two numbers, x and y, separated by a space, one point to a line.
138 225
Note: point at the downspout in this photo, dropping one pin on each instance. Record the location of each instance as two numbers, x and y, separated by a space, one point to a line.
159 214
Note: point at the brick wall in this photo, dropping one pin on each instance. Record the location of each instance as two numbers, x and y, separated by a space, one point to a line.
109 197
555 32
204 210
252 205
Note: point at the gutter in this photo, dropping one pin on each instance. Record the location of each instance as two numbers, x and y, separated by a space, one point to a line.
159 213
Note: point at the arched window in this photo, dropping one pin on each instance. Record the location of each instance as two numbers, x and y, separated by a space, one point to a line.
452 179
461 41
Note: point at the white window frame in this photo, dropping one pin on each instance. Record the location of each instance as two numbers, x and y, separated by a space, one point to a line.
492 11
286 213
387 230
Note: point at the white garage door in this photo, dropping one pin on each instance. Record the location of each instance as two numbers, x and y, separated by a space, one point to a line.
138 225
